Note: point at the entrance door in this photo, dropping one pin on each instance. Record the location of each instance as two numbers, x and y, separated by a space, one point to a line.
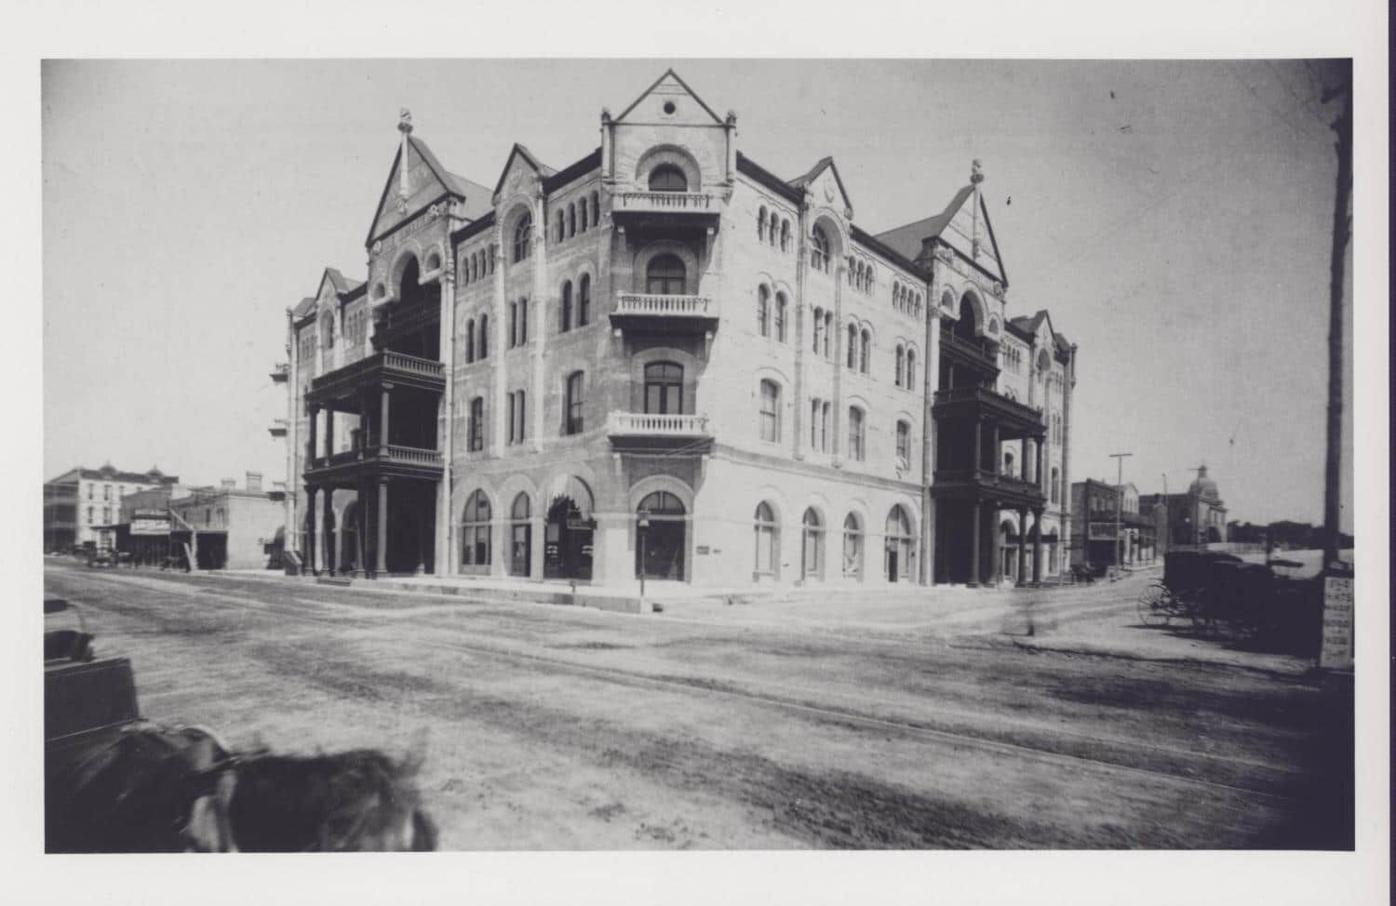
568 542
664 541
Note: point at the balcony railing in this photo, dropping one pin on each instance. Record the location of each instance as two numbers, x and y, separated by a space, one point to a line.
666 202
280 372
657 306
639 424
388 365
278 427
413 456
391 455
974 393
978 347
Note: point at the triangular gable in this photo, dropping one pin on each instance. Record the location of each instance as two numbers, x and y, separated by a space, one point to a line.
993 242
427 181
961 231
908 240
521 159
825 184
670 86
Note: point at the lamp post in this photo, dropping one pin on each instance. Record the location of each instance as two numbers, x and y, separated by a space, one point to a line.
642 527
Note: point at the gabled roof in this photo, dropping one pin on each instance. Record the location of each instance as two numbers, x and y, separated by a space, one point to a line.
768 179
669 74
573 171
475 196
303 308
543 170
824 163
908 239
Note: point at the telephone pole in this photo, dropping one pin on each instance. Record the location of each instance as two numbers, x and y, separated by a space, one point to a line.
1342 227
1119 504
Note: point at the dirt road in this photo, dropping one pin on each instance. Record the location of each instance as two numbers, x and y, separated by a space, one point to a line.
564 728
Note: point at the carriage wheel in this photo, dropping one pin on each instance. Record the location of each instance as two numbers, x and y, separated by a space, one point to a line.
1155 605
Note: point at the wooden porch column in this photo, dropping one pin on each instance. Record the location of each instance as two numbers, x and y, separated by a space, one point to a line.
974 566
310 562
998 451
1037 461
380 514
384 394
312 448
996 559
978 446
329 432
1036 547
1022 547
327 556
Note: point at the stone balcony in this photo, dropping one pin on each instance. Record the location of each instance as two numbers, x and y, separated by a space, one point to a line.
278 427
642 208
396 368
652 313
641 431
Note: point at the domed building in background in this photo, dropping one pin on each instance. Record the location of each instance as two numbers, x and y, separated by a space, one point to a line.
1197 517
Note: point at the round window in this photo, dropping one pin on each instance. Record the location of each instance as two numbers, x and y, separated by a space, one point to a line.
669 107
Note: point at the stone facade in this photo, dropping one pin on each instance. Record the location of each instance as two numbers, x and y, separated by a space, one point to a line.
80 500
665 346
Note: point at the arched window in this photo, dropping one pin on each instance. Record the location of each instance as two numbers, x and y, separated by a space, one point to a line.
484 336
785 235
584 300
327 331
475 531
668 178
812 550
852 547
661 504
865 351
761 224
572 405
818 327
470 341
828 333
770 411
819 250
564 314
910 379
1008 464
595 209
897 565
763 310
903 444
582 211
663 388
665 276
901 363
523 237
852 351
520 536
1056 485
780 317
561 225
571 220
767 540
857 434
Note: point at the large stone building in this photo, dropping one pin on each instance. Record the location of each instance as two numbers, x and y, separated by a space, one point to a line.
664 359
81 500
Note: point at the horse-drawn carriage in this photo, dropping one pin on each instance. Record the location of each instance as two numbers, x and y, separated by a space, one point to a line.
1219 592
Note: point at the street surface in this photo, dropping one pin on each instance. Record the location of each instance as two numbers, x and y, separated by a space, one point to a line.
922 721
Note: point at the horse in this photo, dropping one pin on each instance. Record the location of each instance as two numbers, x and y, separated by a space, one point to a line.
153 788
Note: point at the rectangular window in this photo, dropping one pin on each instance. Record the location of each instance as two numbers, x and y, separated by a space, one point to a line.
824 426
516 417
903 444
509 417
476 440
855 434
106 492
573 417
523 322
814 424
770 411
513 323
90 511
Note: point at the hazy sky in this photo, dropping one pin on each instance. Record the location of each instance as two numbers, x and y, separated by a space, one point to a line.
1175 218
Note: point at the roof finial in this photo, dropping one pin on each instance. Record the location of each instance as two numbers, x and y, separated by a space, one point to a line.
404 125
404 121
976 172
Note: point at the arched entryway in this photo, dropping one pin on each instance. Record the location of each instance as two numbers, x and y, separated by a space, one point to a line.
520 536
899 545
660 547
569 532
1008 551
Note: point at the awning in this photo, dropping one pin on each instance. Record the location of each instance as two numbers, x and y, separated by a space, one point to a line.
573 488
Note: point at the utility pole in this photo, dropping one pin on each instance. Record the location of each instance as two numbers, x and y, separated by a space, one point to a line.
1119 505
1342 227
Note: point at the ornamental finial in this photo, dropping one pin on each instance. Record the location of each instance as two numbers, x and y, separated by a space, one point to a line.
404 121
976 172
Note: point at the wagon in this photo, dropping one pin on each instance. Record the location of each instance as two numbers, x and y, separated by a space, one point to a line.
1189 590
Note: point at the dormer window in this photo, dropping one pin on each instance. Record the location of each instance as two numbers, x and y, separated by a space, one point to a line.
668 178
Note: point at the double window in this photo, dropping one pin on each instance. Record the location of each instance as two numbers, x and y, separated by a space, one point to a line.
663 388
819 250
523 238
857 434
518 323
819 412
668 178
665 276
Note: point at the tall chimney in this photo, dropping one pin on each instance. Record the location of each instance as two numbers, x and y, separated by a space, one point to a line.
229 484
254 481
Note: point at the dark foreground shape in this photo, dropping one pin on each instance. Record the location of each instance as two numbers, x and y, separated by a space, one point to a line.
149 788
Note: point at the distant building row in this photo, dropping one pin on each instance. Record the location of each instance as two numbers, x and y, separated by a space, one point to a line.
1118 526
